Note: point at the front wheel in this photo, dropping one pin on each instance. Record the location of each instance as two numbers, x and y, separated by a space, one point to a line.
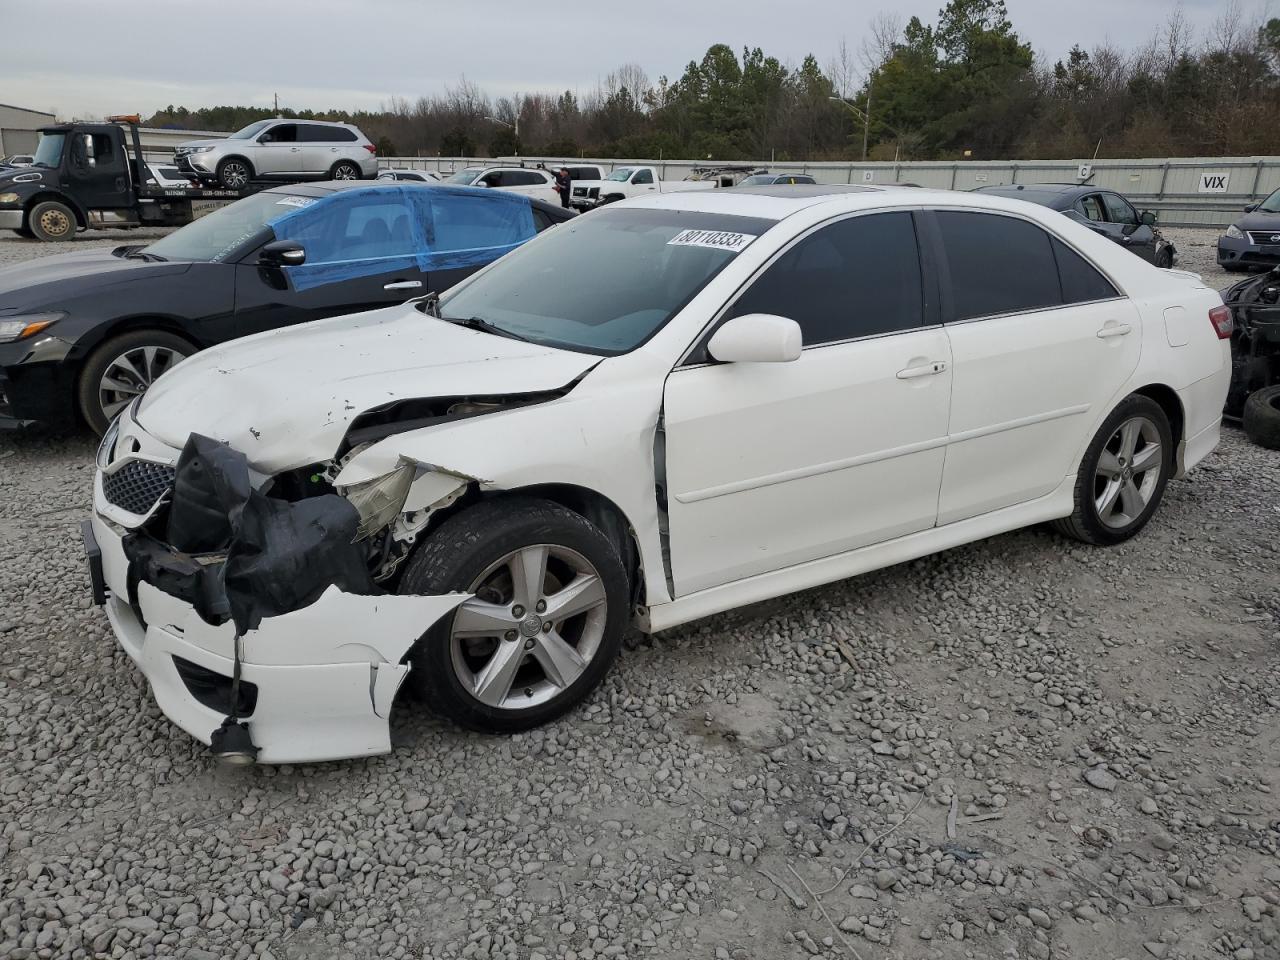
545 621
1164 259
51 221
233 173
123 368
344 170
1123 475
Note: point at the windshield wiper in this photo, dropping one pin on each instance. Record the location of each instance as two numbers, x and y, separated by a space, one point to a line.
486 326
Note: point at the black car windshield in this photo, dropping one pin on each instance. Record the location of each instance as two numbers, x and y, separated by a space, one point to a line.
606 282
251 131
219 234
49 150
1271 204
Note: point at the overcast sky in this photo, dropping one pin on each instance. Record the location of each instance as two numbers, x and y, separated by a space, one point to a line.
88 58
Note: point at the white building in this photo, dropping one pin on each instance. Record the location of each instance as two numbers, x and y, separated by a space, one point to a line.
18 128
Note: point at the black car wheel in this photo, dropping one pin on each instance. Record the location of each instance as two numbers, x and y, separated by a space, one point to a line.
549 606
51 221
234 173
1164 259
1262 417
344 170
123 368
1123 474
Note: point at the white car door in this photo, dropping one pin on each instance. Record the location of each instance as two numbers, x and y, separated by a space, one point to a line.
772 464
1041 341
530 183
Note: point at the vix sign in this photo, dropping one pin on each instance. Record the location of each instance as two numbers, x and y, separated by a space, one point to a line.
1213 182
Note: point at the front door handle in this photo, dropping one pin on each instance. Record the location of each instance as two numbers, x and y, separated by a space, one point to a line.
930 369
1114 330
403 285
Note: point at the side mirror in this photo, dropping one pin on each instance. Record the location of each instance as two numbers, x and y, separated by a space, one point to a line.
282 253
1250 207
756 338
1148 218
480 183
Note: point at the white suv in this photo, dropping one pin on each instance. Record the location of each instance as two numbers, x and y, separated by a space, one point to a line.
281 150
530 181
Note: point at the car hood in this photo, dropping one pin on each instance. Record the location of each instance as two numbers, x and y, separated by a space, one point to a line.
48 281
286 398
1260 221
192 144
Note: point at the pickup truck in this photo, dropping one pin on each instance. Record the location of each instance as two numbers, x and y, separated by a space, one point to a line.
626 182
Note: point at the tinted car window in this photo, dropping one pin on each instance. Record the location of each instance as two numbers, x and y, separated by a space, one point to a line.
998 264
644 176
315 133
1118 209
1081 282
523 178
855 278
364 232
470 225
584 173
281 133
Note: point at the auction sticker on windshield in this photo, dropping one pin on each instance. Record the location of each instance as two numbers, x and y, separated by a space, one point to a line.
715 239
295 201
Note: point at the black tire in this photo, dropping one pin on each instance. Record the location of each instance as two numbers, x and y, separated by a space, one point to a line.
1233 268
52 221
234 173
1164 259
25 234
345 170
1262 417
468 544
1085 523
104 355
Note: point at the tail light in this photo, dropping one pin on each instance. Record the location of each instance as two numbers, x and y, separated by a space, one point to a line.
371 148
1220 317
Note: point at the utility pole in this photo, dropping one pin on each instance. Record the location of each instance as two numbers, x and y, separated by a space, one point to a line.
866 122
275 97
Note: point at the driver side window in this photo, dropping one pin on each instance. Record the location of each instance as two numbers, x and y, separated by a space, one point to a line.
280 133
1091 207
1119 211
643 176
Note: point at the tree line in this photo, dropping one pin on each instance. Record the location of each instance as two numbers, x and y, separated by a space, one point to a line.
965 85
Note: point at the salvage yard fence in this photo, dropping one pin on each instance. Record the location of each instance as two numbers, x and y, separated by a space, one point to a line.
1183 192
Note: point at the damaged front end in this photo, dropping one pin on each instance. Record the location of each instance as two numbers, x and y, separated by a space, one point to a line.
255 606
1255 339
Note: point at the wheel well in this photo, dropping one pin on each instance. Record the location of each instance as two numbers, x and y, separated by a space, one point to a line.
57 198
235 156
118 327
1168 400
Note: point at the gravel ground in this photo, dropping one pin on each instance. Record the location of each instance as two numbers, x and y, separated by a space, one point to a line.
1099 725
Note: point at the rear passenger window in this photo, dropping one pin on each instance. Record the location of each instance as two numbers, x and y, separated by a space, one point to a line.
855 278
998 264
1081 282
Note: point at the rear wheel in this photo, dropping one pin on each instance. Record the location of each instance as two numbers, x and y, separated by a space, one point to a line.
545 621
1262 417
123 368
1123 475
234 173
1164 259
344 170
51 221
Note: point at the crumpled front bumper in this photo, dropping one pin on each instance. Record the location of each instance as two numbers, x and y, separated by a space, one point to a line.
322 678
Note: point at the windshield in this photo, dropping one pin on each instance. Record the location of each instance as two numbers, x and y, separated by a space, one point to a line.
251 131
759 180
49 150
219 234
621 175
631 272
465 176
1271 204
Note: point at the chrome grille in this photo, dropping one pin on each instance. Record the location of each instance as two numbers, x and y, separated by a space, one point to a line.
137 485
1264 236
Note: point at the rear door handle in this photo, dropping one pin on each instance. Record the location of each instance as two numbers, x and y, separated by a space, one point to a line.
931 369
403 285
1114 330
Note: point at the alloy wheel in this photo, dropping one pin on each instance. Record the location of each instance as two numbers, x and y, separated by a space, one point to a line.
536 620
344 171
1128 472
235 175
129 375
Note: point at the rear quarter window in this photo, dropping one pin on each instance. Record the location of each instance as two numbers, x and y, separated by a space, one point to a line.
998 264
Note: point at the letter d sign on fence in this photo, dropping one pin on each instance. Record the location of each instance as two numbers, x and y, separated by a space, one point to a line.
1213 182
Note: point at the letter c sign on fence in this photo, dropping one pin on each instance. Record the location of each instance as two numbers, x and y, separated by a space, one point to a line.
1213 183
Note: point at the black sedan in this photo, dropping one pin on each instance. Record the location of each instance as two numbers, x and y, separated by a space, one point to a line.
82 334
1254 239
1102 211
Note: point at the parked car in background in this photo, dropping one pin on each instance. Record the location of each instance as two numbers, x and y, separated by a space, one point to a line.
281 150
405 175
775 179
1103 211
167 175
18 160
83 334
1255 356
1253 241
743 393
529 181
625 182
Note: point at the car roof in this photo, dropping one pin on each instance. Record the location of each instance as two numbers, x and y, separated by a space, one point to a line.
326 188
1045 194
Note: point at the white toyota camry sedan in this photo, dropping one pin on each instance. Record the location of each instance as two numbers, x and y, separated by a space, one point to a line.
658 411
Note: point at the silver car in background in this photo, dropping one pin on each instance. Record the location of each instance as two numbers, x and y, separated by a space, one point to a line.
281 150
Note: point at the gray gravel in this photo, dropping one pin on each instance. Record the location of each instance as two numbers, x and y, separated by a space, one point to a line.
1099 727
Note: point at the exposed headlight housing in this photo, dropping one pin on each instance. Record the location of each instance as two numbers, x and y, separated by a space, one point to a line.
379 501
27 325
202 149
108 444
8 198
1235 232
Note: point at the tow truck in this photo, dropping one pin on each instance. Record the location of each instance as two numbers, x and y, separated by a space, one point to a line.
91 176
